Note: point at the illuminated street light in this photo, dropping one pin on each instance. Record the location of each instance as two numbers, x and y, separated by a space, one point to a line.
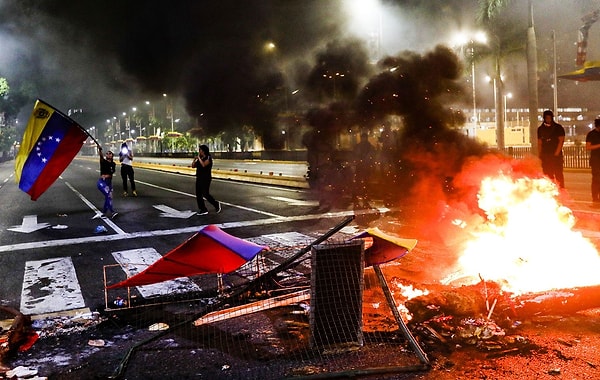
462 40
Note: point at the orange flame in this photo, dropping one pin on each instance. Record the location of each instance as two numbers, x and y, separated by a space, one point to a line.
527 242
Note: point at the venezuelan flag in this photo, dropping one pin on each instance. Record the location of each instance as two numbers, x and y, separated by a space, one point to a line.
50 142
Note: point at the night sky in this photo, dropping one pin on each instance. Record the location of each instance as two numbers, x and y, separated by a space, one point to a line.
210 56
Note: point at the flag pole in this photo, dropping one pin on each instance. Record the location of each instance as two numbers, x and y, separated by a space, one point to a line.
74 122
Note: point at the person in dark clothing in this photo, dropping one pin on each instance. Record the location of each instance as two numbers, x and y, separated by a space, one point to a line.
551 137
126 160
592 143
363 169
104 184
203 163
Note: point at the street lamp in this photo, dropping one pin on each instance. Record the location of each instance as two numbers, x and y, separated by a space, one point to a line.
462 39
327 76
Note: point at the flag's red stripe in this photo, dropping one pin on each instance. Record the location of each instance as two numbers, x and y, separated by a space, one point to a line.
66 150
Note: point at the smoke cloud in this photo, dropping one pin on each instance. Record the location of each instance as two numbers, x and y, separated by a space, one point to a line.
210 55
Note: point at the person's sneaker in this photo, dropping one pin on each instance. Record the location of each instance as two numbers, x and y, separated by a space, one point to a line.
134 193
114 214
203 213
218 208
124 193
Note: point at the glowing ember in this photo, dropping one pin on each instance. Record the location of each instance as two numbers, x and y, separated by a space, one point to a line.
527 243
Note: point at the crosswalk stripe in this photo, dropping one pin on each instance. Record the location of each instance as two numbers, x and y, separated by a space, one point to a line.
49 286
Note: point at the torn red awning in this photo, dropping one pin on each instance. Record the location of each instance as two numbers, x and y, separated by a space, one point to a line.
210 250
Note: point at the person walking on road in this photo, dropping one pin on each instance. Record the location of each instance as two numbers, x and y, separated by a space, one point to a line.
592 143
104 184
126 159
551 137
203 164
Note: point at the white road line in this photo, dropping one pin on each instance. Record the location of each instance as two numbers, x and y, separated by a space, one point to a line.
134 261
110 223
290 239
194 196
49 286
296 202
176 231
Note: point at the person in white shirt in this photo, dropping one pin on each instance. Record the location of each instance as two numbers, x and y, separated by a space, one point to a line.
126 159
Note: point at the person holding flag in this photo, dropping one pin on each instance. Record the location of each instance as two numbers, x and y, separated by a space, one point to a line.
107 169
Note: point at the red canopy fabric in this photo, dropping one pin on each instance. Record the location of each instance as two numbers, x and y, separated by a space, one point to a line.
381 247
210 250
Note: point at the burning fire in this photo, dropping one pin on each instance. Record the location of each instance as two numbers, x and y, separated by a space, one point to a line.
527 242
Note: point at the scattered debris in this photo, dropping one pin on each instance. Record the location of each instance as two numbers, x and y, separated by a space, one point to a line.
158 327
21 372
120 302
96 342
64 325
19 337
100 230
554 372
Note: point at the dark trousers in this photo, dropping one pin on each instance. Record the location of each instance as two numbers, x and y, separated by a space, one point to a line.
127 172
552 166
202 192
596 183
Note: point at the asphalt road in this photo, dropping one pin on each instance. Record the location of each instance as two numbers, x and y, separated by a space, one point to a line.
59 229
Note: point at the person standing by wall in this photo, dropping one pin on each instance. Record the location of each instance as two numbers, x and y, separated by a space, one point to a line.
104 184
203 164
592 143
126 159
551 137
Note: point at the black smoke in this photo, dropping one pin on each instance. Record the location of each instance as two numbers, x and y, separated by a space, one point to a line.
209 54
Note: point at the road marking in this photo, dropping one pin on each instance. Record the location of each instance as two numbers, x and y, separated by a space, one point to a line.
194 196
295 202
49 286
110 223
169 212
185 230
134 261
29 224
290 239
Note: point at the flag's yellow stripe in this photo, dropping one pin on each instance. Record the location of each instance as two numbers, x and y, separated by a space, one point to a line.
34 129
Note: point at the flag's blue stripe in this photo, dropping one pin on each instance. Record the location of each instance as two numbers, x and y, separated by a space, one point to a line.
53 133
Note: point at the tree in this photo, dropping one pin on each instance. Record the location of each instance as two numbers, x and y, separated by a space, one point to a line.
507 39
4 88
532 80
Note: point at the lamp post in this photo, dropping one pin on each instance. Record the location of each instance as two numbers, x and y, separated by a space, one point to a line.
461 40
169 112
509 96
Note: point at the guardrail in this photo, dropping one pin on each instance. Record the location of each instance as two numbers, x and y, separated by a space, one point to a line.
574 157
